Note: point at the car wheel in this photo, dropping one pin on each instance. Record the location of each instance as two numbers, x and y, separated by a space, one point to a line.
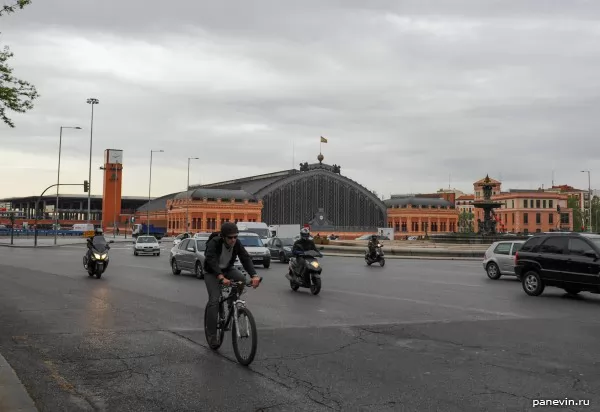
174 267
198 271
533 284
282 257
267 263
493 271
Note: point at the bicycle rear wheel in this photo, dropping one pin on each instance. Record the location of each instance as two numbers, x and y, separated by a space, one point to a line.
220 328
247 329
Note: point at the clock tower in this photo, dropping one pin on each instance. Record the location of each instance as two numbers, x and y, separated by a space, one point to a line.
111 195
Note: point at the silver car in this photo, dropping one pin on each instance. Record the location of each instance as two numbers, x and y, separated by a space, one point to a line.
146 245
499 258
188 255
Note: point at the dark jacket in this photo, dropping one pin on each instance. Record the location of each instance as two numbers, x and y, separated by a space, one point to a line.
302 245
212 256
373 244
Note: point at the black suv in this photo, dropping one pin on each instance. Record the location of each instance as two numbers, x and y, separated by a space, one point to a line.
570 261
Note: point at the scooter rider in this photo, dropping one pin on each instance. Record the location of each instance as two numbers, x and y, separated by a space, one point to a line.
220 255
90 241
302 245
373 242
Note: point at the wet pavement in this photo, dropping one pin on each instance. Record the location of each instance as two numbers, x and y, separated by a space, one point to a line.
415 335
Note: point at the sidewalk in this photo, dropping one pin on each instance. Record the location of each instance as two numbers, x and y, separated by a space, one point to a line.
13 395
48 241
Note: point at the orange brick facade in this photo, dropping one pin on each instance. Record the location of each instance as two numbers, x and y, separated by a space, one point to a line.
420 220
208 215
525 211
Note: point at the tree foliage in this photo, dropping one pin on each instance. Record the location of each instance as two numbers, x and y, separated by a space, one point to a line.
573 203
465 221
15 94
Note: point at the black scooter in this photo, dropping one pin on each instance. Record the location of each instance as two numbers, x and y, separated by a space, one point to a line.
378 256
311 277
98 257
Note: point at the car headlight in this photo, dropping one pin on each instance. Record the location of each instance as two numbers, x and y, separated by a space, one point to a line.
287 248
314 264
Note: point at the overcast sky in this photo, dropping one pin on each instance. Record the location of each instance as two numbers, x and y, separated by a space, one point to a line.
407 92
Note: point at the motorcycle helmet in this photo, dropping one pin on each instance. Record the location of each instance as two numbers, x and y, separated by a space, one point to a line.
229 229
374 238
98 231
304 233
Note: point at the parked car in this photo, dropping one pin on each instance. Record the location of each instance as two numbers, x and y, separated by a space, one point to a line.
280 248
146 245
570 261
499 258
255 248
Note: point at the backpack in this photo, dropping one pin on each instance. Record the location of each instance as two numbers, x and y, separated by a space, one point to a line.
213 234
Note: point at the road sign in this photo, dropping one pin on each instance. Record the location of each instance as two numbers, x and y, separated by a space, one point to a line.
88 233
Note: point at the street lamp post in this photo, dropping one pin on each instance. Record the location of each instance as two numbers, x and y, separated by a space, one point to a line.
589 199
149 189
91 101
58 178
187 211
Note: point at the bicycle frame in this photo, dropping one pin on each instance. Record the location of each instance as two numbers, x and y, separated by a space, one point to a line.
233 304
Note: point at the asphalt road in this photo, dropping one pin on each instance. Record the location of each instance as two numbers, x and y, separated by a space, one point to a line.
416 335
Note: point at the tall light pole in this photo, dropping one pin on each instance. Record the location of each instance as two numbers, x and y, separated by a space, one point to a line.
91 101
58 178
187 211
149 189
589 200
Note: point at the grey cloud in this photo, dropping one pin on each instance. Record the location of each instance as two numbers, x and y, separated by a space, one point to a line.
415 90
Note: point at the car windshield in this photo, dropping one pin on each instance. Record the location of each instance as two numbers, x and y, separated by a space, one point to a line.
287 242
251 241
595 241
146 239
259 231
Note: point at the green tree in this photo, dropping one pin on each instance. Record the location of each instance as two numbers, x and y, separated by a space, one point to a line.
596 214
465 221
15 94
573 203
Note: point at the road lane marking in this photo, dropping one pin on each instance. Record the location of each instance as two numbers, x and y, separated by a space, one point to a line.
426 302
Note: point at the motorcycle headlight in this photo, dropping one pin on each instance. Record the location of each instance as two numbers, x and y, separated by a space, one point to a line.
104 256
97 256
314 264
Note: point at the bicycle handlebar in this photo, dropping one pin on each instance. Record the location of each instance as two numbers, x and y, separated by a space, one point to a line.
240 283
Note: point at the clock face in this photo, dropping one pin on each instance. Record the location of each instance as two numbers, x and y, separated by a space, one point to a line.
115 156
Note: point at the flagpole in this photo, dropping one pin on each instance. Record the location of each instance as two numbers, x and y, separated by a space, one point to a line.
293 154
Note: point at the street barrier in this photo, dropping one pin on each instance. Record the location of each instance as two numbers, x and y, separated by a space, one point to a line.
439 252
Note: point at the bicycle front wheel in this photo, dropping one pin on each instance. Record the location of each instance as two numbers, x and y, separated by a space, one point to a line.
246 326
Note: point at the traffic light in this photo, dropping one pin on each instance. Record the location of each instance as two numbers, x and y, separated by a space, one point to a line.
86 186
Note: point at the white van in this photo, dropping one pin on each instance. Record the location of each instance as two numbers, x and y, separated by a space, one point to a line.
260 228
83 227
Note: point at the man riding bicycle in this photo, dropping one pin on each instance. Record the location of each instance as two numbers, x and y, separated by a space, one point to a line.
220 255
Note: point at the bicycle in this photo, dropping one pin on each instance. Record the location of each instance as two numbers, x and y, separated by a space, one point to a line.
235 307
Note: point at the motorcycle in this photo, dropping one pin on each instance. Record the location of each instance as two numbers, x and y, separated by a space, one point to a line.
378 256
98 261
312 272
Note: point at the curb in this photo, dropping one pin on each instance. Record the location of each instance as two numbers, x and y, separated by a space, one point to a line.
48 246
473 259
13 395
